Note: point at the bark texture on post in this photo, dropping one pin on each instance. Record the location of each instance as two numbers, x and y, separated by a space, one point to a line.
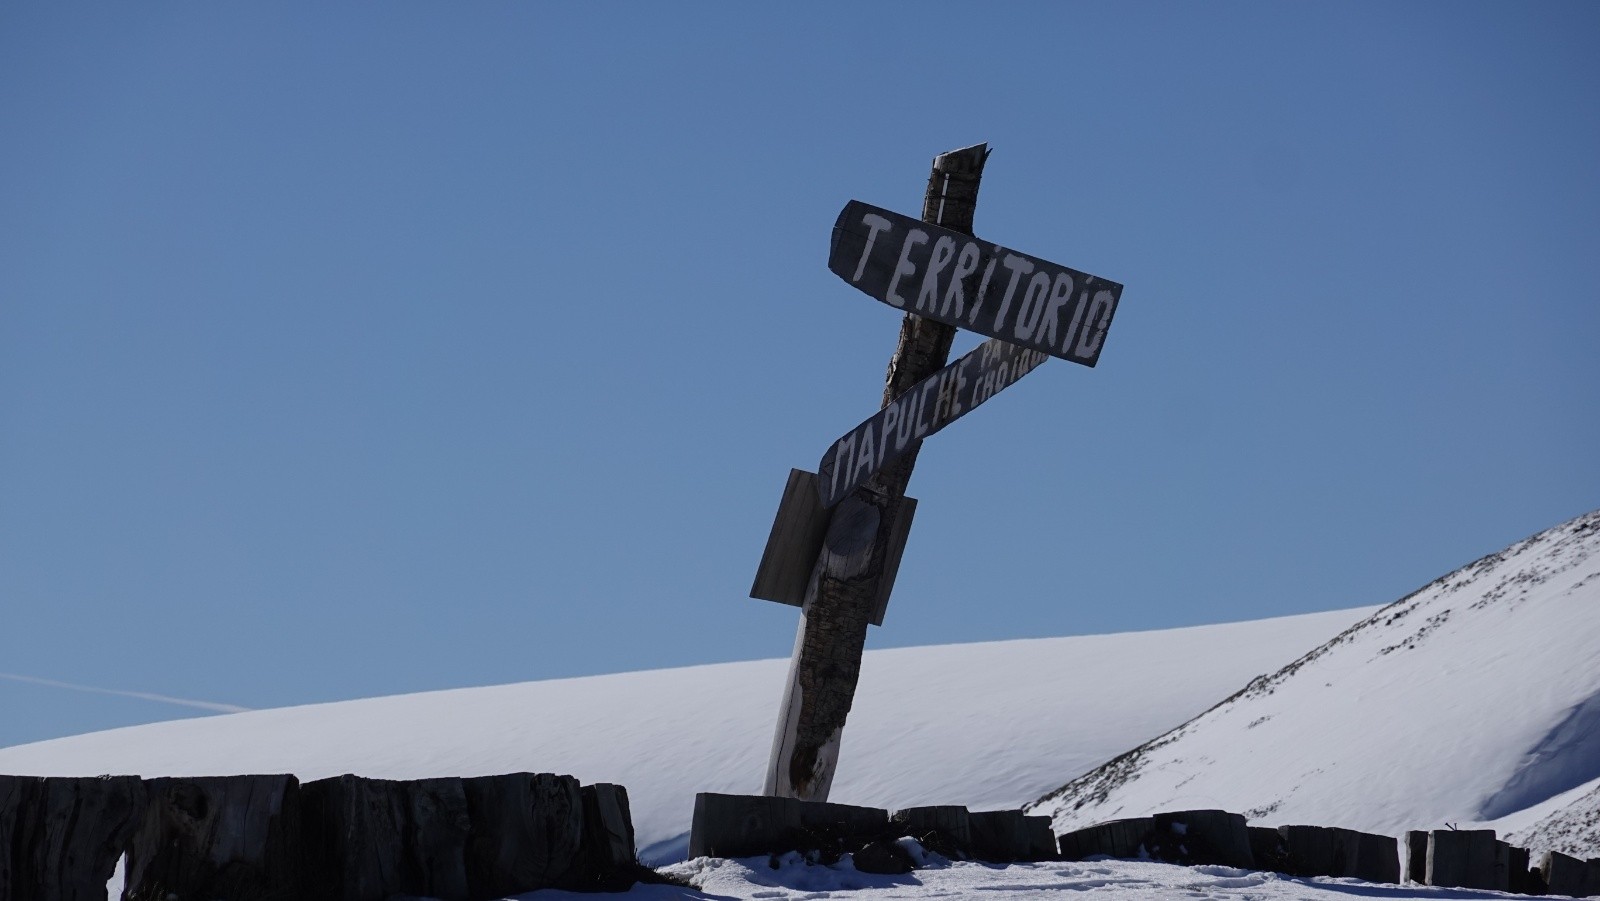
844 583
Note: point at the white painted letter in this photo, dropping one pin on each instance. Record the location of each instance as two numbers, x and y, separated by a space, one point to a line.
905 266
943 250
955 297
874 223
1019 267
1060 293
1095 327
1033 303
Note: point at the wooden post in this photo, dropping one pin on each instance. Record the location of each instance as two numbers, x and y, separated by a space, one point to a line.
841 597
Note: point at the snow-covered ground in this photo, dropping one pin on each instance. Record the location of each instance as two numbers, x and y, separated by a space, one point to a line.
989 725
1475 700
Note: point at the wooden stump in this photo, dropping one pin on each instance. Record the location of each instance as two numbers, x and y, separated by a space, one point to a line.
234 837
1461 858
1566 875
1116 838
1417 856
748 825
607 861
945 829
1310 850
527 830
369 839
13 791
1000 836
1205 837
70 834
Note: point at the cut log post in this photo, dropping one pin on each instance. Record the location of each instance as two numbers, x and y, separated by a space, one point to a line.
70 835
234 837
1417 856
1310 850
1204 837
607 860
1268 849
370 839
1565 875
14 790
1461 858
527 830
999 836
1117 838
749 825
844 588
946 829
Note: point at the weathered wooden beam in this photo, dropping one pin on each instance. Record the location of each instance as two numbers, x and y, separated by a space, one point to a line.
843 591
235 837
70 832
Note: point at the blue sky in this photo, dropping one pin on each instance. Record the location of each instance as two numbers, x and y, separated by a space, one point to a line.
363 349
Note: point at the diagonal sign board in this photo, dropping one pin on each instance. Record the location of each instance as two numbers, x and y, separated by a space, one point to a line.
969 283
927 407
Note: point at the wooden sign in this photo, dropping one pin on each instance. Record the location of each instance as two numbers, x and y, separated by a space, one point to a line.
954 278
929 406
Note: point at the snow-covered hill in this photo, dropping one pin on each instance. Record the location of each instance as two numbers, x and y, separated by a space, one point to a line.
988 725
1474 700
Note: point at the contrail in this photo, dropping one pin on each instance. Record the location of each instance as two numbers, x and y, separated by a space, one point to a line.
212 706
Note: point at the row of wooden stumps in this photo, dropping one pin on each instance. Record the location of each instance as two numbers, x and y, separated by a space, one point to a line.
747 826
270 838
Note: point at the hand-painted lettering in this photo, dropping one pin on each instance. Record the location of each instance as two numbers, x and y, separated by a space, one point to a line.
928 297
874 223
904 267
1033 304
867 454
955 296
1099 319
983 288
1060 293
844 459
1018 266
922 408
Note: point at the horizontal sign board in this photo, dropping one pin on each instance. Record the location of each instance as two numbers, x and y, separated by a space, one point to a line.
927 407
962 281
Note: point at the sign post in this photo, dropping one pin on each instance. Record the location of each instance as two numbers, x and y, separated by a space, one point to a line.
852 517
844 582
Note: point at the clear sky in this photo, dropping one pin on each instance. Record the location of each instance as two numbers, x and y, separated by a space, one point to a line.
358 349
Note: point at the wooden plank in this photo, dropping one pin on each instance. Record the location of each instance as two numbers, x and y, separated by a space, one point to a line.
949 276
927 407
793 543
899 531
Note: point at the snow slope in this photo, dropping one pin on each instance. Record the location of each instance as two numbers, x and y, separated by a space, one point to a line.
1473 700
987 725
